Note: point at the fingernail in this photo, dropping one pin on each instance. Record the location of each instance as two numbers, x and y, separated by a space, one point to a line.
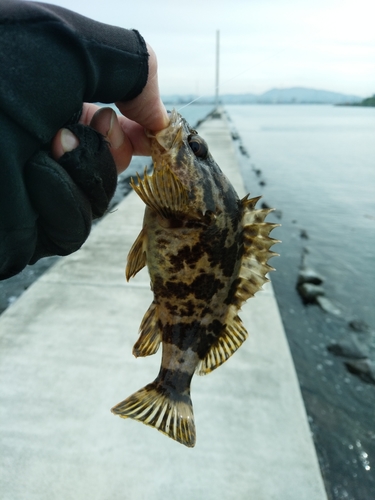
115 133
68 140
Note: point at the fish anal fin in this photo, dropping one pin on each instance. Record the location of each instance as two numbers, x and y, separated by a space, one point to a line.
150 334
162 191
231 338
137 255
171 414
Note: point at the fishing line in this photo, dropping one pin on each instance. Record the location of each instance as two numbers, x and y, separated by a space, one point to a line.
275 54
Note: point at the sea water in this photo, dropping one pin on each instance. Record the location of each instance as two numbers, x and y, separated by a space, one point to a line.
316 165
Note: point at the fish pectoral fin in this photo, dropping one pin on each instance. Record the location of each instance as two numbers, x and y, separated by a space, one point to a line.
231 338
137 255
150 334
162 191
170 413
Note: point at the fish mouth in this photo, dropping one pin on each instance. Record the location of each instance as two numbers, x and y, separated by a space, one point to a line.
172 137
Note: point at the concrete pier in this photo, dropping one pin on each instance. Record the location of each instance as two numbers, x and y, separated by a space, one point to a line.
66 359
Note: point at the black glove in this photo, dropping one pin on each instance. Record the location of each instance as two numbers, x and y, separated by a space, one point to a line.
52 61
68 198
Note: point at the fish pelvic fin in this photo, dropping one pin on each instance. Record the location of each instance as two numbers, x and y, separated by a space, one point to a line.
150 334
162 191
232 337
168 412
137 256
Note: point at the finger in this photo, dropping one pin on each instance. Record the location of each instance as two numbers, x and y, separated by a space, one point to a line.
88 111
63 142
147 109
125 137
106 123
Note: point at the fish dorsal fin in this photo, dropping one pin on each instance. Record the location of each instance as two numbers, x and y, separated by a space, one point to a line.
162 191
233 335
137 255
251 277
150 334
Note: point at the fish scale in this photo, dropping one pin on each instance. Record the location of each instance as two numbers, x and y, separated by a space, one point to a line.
206 252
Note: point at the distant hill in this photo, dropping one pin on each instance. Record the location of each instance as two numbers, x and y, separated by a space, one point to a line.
368 102
294 95
300 95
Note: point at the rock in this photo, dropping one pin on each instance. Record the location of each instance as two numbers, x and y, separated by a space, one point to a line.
265 205
358 325
262 183
349 347
257 171
244 150
363 368
309 292
303 234
308 275
328 306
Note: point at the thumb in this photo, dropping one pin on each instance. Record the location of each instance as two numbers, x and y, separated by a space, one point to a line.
147 108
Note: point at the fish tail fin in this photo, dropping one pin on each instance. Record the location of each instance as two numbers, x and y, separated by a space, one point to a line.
169 412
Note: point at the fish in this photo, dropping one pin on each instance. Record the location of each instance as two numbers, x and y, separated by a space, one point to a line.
207 252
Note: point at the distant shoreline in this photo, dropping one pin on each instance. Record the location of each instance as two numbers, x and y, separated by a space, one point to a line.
293 95
307 103
369 102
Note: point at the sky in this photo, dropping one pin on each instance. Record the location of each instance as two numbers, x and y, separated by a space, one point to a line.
264 44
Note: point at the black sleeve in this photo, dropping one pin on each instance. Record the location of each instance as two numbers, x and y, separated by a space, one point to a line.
52 60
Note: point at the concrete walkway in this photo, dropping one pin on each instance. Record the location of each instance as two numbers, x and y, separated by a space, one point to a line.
65 360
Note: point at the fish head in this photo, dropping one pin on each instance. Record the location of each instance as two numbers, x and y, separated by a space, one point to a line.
182 151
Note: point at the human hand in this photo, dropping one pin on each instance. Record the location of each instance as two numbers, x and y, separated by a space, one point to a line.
124 133
54 180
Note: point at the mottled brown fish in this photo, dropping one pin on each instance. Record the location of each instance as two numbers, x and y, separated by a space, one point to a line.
206 252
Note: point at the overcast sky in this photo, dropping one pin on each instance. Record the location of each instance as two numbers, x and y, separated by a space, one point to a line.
324 44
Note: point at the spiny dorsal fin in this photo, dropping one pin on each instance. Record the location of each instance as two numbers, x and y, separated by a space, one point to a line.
251 277
233 335
168 413
162 192
137 256
257 243
150 334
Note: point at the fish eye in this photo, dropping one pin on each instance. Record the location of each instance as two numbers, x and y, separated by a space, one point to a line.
198 146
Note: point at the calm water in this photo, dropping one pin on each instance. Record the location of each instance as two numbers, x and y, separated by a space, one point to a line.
316 164
319 167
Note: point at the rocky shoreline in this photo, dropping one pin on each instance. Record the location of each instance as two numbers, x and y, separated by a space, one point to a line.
333 349
357 346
